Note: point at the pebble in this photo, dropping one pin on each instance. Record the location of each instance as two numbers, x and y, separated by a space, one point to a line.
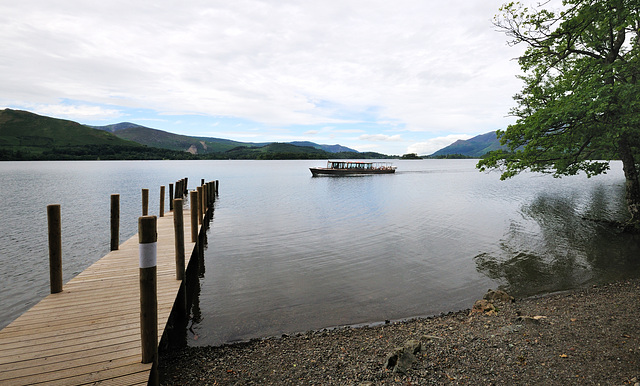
456 348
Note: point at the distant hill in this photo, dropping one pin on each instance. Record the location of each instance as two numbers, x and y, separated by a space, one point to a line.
277 150
195 145
36 133
474 147
28 136
115 127
165 140
327 148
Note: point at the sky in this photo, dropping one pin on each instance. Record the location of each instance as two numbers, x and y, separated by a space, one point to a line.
395 77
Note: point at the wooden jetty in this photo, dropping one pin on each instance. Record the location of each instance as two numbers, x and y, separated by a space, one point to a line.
90 332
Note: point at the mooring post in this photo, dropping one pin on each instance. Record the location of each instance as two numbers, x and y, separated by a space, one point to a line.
202 181
186 186
212 196
217 186
170 197
55 247
193 199
161 212
148 237
115 222
208 198
145 202
180 304
199 199
178 226
205 203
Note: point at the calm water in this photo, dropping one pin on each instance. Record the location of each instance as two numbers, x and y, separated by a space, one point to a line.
288 252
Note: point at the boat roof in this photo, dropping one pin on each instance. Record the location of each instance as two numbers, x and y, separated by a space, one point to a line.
359 162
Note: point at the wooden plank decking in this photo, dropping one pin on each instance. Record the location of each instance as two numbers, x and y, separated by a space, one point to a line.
90 332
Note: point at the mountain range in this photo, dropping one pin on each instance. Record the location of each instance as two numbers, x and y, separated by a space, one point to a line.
475 147
195 145
25 135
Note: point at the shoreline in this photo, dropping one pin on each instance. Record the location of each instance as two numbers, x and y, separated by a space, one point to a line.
585 336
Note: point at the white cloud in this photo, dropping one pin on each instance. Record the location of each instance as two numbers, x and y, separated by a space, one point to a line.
75 112
405 65
434 144
380 137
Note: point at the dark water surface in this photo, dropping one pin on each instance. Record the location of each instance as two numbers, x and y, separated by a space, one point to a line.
288 252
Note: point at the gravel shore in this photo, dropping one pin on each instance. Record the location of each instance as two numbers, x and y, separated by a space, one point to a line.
583 337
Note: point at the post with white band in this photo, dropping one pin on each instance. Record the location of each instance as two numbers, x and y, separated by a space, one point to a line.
148 238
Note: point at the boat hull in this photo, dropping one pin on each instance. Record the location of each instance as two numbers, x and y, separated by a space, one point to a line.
346 172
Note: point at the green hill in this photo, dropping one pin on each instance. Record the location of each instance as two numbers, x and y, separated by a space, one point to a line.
197 145
22 130
327 148
29 136
165 140
278 150
274 151
475 147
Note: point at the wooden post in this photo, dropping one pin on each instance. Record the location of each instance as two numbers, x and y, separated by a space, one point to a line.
202 181
161 213
205 202
170 197
217 186
55 247
186 186
115 222
193 199
200 208
145 202
207 195
178 226
211 196
148 237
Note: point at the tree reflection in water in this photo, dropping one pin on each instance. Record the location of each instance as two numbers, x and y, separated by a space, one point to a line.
563 243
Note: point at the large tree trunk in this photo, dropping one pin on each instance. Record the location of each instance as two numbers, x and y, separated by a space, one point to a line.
632 184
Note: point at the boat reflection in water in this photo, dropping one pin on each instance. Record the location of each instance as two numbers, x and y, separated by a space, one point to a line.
341 168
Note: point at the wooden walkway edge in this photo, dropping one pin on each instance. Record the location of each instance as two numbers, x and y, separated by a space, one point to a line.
90 332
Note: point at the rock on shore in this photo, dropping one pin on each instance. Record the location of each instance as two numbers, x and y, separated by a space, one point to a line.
584 337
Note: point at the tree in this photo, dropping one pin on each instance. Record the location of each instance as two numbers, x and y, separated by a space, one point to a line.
580 104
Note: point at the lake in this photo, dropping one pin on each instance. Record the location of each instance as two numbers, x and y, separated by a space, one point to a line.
288 252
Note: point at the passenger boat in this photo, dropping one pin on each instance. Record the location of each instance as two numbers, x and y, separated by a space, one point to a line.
343 168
